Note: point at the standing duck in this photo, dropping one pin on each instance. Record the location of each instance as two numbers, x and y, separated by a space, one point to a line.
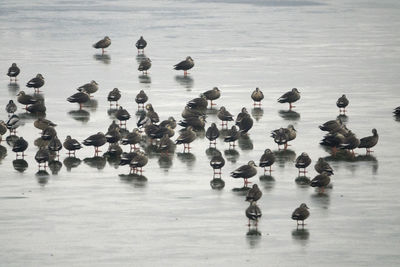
253 213
350 142
55 145
38 107
103 43
138 162
257 96
302 162
267 159
369 141
89 88
151 114
132 139
122 115
342 103
42 156
20 145
13 123
224 116
185 65
186 137
113 96
323 166
141 44
95 140
254 194
25 99
80 98
301 213
231 136
141 98
212 134
36 83
11 107
212 95
245 172
71 145
217 162
198 102
144 65
244 121
13 72
321 181
42 123
290 97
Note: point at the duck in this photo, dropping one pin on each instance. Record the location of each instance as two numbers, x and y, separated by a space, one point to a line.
80 98
48 133
212 95
290 97
321 181
331 126
217 162
138 162
122 115
254 194
280 137
301 213
89 88
132 139
13 123
151 114
166 144
71 144
141 98
141 44
38 107
170 121
3 127
225 116
231 136
198 102
195 122
13 72
323 166
245 172
42 156
186 137
244 121
103 43
144 65
42 123
55 145
25 99
267 160
11 107
350 142
36 83
253 213
185 65
342 103
95 140
20 145
113 96
212 134
190 112
369 141
302 162
257 96
113 136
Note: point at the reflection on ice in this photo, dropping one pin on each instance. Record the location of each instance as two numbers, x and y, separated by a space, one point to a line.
96 162
20 165
257 113
217 183
71 162
105 58
290 115
301 235
79 115
185 81
55 166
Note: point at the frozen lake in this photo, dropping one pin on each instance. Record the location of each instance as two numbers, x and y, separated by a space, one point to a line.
87 214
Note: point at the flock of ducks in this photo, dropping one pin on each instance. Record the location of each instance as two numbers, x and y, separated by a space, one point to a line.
159 133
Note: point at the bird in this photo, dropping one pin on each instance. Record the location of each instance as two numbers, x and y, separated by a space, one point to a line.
89 88
231 136
198 102
301 213
71 144
103 43
138 162
257 96
212 95
185 65
280 137
160 131
323 166
95 140
126 158
186 137
42 156
42 123
145 65
141 44
122 115
245 172
369 141
195 122
253 213
166 144
113 96
350 142
48 133
80 98
217 162
141 98
170 121
224 116
190 112
302 162
342 103
25 99
13 72
13 123
334 141
331 126
321 181
11 107
244 121
113 136
20 145
3 127
36 83
212 134
290 97
38 107
254 194
142 121
55 145
267 159
151 114
132 139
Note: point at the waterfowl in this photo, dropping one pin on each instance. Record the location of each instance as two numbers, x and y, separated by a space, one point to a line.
42 156
113 96
185 65
42 123
350 142
122 115
166 144
224 116
331 126
38 107
95 140
257 96
71 145
11 107
13 72
280 137
132 139
190 112
13 123
396 111
217 162
290 97
321 181
212 134
141 44
143 120
80 98
245 171
138 162
144 65
302 162
159 132
369 141
186 137
55 145
25 99
141 98
103 43
333 141
323 166
301 213
244 121
113 136
212 95
20 145
198 102
195 122
36 83
170 121
151 114
231 136
126 158
89 88
254 194
342 103
253 213
3 127
267 160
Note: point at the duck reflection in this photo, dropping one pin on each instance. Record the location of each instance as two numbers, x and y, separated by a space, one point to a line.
283 156
257 113
320 199
111 112
13 88
303 181
71 162
372 161
39 142
253 237
144 78
91 104
241 191
105 58
31 116
113 159
245 143
188 158
165 161
211 152
344 118
79 115
96 162
42 177
135 179
396 117
232 155
289 115
20 165
217 183
55 166
301 234
3 152
11 139
140 58
212 111
185 81
267 181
